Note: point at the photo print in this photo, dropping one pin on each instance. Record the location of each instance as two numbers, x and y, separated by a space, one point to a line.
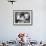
22 16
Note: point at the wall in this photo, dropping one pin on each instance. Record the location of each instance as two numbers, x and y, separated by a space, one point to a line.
37 31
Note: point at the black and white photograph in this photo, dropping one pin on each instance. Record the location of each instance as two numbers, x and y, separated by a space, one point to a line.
22 16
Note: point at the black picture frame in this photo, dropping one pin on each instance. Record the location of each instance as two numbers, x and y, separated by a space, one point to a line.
22 17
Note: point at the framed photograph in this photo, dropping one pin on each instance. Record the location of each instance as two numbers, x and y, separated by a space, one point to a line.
22 17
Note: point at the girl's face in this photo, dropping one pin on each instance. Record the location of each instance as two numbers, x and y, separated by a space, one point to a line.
26 16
